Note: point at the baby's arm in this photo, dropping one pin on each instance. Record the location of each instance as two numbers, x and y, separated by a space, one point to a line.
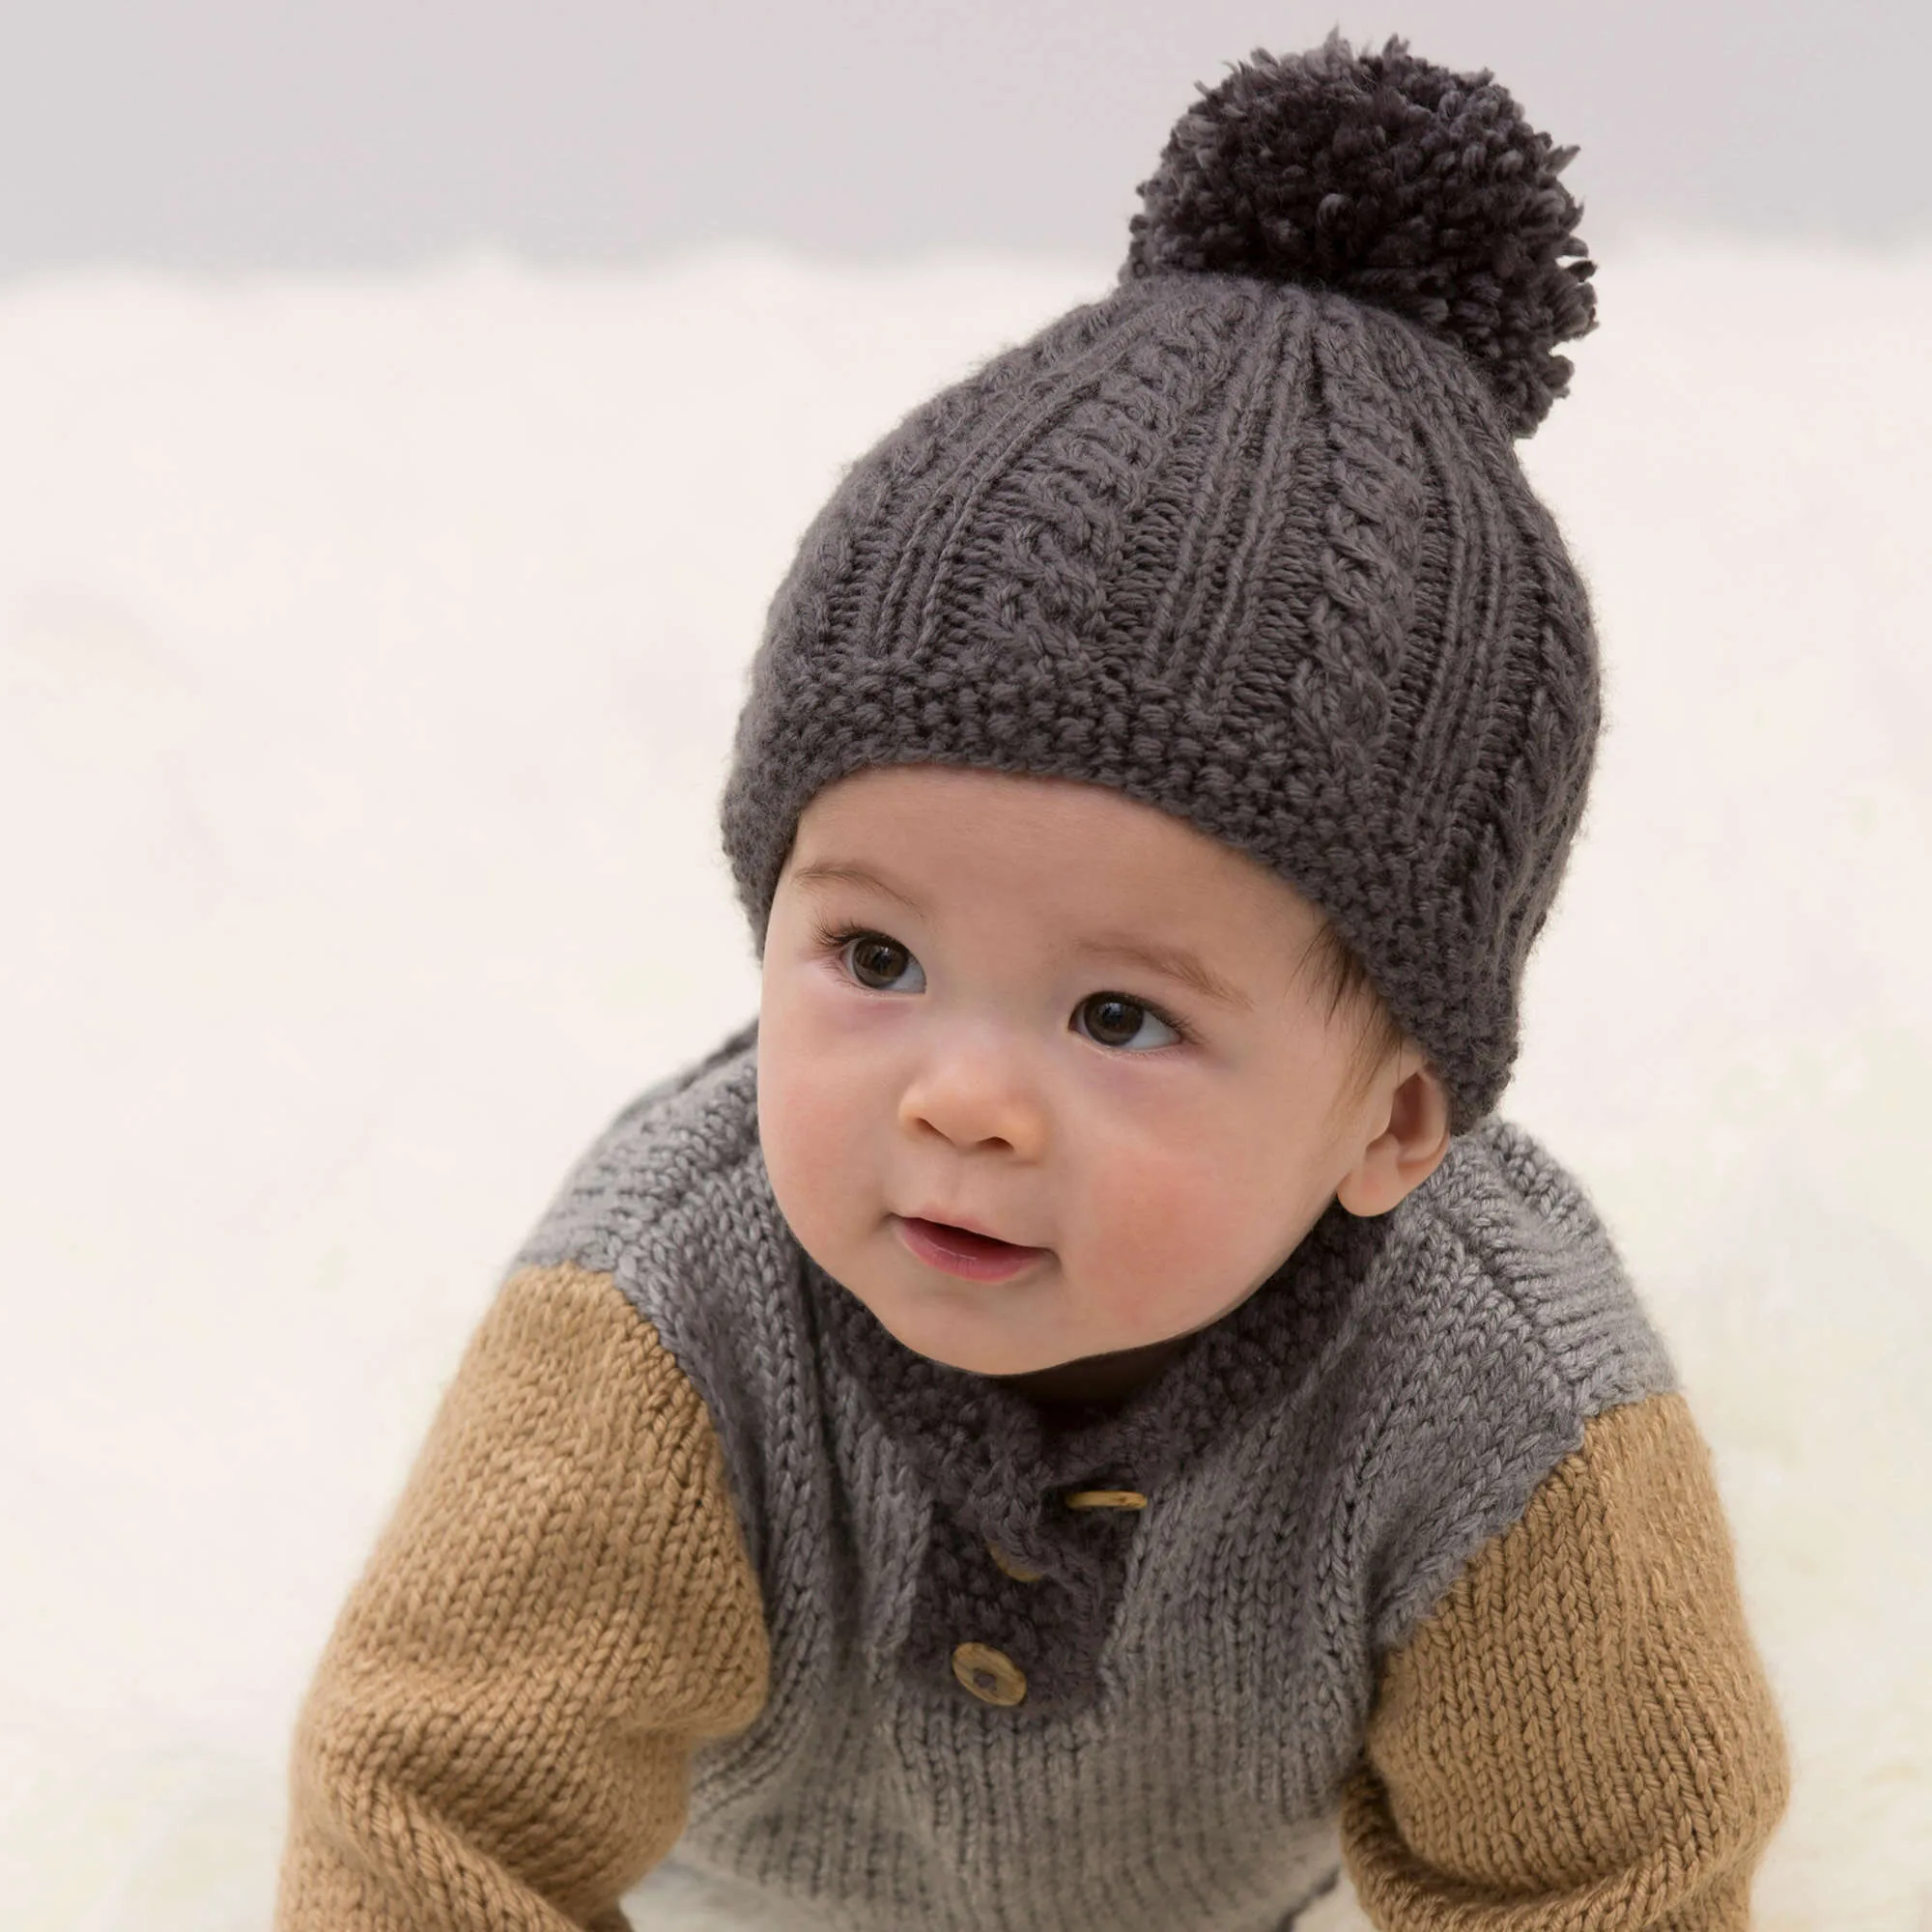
560 1605
1581 1735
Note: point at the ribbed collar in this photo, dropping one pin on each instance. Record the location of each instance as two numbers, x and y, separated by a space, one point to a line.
1000 1460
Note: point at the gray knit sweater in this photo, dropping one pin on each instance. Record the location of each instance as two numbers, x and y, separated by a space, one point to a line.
1319 1468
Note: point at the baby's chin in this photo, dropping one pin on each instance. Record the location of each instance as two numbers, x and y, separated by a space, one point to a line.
972 1339
981 1344
957 1345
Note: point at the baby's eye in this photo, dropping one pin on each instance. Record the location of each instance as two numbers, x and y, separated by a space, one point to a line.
1114 1020
877 962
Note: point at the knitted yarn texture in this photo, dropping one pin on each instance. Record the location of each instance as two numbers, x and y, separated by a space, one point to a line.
1429 1574
1200 1672
1247 540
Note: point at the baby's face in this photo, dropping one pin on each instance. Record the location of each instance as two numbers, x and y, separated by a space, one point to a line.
1048 1014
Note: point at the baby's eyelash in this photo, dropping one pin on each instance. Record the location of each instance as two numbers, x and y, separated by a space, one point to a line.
834 939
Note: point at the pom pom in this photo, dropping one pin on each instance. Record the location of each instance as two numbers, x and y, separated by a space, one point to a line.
1390 180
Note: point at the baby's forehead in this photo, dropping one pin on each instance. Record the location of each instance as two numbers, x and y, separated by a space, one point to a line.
1023 835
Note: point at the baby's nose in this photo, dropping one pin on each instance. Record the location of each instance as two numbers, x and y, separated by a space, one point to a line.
976 1099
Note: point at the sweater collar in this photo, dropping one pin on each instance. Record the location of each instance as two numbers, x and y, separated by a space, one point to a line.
998 1457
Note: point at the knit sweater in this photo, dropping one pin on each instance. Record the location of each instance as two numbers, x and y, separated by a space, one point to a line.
1415 1560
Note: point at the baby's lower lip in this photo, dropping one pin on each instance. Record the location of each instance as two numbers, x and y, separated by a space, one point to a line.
974 1257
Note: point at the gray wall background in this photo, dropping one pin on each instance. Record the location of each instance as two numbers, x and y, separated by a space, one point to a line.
377 134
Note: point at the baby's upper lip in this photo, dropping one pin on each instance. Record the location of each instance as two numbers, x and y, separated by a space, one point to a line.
947 1219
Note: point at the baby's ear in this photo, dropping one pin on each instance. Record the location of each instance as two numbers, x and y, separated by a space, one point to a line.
1407 1150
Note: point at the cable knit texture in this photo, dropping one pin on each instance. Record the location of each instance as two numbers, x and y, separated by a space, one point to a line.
1247 540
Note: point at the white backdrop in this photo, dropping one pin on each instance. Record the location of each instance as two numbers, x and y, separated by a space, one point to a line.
368 656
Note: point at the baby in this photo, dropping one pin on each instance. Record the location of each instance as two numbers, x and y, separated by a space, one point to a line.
1082 1418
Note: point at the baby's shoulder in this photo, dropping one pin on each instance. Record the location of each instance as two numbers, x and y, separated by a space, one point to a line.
671 1181
670 1201
1499 1320
1500 1266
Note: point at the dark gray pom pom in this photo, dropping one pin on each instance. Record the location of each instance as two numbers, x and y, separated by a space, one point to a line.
1394 182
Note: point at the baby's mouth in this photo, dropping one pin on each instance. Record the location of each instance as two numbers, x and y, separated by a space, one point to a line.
960 1251
966 1241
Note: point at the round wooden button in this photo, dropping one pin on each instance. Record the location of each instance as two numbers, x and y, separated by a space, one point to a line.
1106 1499
1017 1572
991 1675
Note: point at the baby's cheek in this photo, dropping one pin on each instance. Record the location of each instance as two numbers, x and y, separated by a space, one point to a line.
1159 1232
799 1129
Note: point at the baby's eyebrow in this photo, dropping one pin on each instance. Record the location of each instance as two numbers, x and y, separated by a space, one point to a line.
823 871
1175 961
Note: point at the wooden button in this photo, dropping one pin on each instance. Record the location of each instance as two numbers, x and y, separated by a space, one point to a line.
991 1675
1015 1571
1106 1499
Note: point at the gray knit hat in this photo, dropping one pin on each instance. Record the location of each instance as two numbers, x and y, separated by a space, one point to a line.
1247 540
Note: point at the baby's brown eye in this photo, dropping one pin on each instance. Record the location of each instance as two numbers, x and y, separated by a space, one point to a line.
1114 1020
877 961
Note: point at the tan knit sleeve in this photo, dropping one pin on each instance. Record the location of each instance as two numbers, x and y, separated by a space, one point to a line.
1581 1736
560 1604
